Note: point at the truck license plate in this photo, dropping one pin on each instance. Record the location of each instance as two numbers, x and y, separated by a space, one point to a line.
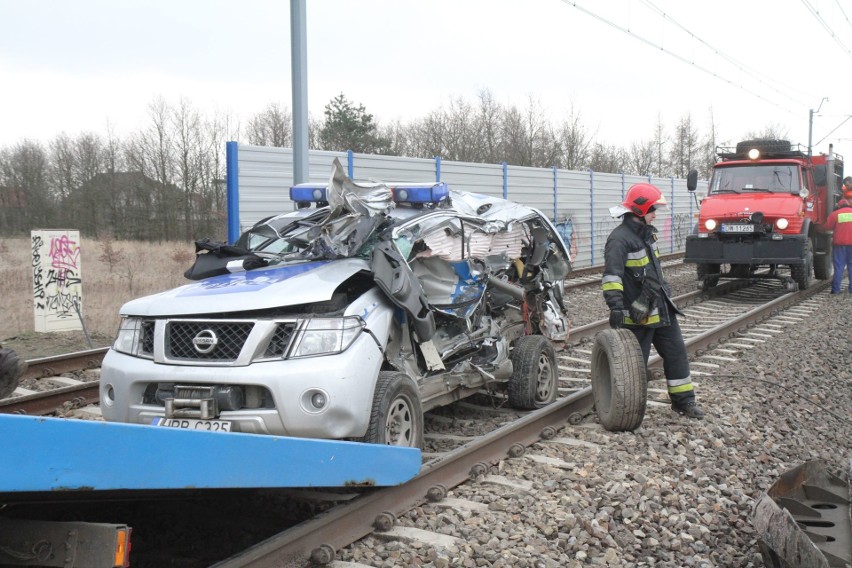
193 424
728 228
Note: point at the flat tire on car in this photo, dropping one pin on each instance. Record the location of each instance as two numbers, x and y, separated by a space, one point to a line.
396 418
619 380
535 376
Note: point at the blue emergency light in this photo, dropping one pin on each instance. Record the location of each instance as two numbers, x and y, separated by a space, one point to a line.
420 192
308 192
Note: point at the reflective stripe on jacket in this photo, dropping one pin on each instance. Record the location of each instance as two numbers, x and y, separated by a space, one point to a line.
630 256
840 221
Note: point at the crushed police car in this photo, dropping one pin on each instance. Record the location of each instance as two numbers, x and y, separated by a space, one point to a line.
349 317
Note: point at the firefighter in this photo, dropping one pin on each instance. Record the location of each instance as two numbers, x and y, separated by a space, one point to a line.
11 369
638 297
847 189
840 221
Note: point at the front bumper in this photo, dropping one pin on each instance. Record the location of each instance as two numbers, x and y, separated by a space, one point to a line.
790 249
347 380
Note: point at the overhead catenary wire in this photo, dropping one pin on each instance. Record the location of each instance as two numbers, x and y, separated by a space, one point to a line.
833 129
741 66
827 28
842 11
676 56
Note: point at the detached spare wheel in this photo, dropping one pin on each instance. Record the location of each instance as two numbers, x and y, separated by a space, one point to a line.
619 380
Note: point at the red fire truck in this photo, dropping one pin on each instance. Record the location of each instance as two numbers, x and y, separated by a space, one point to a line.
764 212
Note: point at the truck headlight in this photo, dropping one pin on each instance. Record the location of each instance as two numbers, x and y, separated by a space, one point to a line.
710 224
326 336
782 223
129 337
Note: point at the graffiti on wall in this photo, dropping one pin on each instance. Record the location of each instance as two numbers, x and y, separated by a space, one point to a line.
57 280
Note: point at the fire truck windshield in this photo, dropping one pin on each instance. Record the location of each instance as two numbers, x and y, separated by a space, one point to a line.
773 178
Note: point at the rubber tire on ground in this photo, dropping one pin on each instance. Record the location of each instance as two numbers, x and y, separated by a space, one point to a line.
823 264
619 380
801 273
535 376
708 275
11 369
396 418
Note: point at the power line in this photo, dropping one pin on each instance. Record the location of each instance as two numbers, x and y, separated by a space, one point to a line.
675 55
833 129
842 11
825 25
741 66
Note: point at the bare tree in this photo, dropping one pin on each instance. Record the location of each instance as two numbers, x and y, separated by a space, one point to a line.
685 147
190 152
574 141
640 158
488 122
660 166
608 159
273 126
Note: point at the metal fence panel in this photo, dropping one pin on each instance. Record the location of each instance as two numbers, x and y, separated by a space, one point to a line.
577 201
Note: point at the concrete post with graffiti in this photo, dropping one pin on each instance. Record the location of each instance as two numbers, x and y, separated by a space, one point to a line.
57 280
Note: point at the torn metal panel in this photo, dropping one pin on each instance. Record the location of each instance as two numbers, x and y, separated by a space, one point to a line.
804 519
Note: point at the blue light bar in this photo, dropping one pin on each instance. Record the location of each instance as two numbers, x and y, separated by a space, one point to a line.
308 192
420 192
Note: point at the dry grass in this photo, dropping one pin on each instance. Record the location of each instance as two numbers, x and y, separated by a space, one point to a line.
114 272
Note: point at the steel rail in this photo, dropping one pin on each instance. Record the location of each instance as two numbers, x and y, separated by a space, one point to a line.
318 540
315 541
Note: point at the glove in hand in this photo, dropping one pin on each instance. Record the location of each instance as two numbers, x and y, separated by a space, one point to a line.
616 318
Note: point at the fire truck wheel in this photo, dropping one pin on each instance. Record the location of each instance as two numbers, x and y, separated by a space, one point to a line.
823 265
708 275
801 273
619 380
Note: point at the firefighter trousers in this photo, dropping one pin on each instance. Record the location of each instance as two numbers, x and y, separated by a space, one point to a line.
668 341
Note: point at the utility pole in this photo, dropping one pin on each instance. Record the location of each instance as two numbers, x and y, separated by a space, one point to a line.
811 126
299 73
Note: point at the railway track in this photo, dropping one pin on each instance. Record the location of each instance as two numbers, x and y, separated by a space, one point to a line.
465 440
735 318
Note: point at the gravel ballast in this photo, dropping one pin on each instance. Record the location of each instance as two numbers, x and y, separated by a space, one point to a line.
674 493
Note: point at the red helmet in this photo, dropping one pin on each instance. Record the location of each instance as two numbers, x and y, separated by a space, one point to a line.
641 197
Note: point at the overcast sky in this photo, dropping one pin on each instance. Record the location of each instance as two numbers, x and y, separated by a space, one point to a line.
76 66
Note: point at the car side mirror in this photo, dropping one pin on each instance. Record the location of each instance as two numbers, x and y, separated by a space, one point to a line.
692 180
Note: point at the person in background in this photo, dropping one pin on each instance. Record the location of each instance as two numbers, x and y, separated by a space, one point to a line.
638 297
840 221
12 367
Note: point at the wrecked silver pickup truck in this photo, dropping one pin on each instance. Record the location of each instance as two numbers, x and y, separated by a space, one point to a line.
349 317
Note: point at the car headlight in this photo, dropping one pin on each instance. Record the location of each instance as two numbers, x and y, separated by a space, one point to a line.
129 337
326 336
710 224
782 223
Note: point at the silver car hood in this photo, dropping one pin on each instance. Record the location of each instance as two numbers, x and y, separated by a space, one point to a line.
276 286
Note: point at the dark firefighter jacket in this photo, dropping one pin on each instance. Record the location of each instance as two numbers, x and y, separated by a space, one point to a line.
632 272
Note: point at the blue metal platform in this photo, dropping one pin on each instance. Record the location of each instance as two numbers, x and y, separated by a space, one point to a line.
55 454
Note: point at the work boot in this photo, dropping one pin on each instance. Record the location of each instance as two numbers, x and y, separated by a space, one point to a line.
689 409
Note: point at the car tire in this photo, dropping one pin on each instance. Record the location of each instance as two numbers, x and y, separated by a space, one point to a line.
535 376
619 380
12 367
396 418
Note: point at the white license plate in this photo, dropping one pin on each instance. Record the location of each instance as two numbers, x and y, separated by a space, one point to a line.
193 424
737 228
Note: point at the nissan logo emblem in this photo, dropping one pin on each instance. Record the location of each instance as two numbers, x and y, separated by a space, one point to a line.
205 341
